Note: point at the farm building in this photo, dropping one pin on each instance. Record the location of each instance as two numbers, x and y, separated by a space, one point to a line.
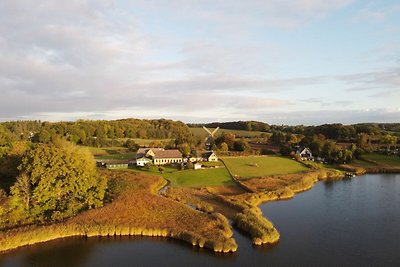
158 156
113 164
304 153
204 156
142 161
209 156
162 157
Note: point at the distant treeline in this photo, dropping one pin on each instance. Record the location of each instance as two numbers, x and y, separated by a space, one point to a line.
335 131
256 126
94 132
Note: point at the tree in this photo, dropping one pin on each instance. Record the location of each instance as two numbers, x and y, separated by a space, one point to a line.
227 138
185 149
241 145
44 136
131 145
57 181
224 147
389 140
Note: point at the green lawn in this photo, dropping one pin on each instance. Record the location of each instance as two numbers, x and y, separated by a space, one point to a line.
200 178
154 170
383 159
212 163
113 153
146 142
253 166
100 151
119 156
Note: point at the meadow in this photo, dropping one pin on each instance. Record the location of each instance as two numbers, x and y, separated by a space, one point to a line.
111 153
389 160
200 178
261 166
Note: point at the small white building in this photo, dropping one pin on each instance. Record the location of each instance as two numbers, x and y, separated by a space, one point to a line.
142 161
197 166
305 153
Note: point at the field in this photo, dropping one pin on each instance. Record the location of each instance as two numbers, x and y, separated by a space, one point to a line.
261 166
200 178
238 133
146 142
393 161
112 153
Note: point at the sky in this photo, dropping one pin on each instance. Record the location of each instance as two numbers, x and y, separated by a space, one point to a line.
277 61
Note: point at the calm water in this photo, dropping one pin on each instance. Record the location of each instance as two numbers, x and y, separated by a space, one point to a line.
345 223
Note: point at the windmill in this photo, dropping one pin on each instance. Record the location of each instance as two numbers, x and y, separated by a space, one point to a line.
210 138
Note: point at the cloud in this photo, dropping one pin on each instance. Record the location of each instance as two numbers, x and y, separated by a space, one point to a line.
191 60
228 16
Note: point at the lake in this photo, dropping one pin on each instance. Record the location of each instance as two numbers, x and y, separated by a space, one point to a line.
343 223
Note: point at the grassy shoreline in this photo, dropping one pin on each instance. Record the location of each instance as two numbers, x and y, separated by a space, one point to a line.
138 210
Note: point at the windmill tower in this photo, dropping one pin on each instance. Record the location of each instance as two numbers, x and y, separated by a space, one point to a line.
210 138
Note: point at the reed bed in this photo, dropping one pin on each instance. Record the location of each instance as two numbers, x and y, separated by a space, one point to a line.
135 210
260 228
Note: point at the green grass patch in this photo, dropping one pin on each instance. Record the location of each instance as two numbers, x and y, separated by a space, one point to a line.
111 153
390 160
119 156
154 170
260 166
146 142
200 178
101 151
212 163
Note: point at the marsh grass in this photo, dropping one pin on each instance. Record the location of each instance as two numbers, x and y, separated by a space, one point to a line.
135 210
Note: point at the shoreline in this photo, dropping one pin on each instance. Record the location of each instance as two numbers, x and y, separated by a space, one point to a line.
250 219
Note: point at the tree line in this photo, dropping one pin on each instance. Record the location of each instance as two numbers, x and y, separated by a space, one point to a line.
94 132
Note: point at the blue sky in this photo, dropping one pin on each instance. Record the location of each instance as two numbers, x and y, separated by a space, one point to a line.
282 62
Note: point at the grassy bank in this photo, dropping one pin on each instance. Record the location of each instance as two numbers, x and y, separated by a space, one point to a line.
374 163
135 210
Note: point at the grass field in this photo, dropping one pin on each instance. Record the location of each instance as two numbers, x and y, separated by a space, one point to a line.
200 178
212 163
239 133
383 159
113 153
146 142
250 167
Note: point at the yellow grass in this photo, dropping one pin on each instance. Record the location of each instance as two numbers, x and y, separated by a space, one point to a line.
137 210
